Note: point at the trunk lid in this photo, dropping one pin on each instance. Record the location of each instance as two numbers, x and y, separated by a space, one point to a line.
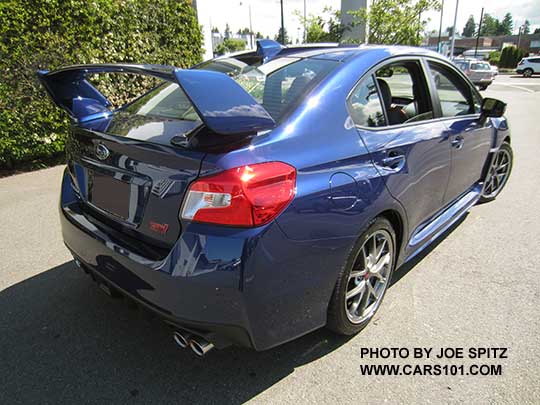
132 185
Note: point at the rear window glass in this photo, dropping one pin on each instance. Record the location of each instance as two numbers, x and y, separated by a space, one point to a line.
480 66
166 101
277 85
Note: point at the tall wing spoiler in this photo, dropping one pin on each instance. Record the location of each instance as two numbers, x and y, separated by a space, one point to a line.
223 105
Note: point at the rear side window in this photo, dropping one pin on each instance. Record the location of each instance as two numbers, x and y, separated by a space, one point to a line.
365 106
455 94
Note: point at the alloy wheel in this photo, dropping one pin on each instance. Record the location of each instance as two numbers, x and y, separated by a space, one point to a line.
498 174
369 277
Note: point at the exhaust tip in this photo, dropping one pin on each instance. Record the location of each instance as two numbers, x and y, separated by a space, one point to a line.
200 346
181 339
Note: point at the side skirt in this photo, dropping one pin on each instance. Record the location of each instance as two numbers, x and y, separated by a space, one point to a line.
431 231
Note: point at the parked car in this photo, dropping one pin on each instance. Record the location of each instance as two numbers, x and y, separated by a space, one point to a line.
494 70
529 66
251 209
479 72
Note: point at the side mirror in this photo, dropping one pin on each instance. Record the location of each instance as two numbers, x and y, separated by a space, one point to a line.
492 107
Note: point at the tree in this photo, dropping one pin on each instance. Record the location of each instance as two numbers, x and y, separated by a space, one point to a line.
285 36
470 27
536 31
230 45
227 31
494 58
526 27
449 31
490 26
395 21
215 30
322 28
506 25
258 35
243 31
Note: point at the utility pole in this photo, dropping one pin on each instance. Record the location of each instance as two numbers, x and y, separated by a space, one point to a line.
440 29
282 25
519 36
478 34
305 23
454 32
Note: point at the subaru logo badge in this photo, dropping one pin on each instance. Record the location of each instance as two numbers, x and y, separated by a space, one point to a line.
102 152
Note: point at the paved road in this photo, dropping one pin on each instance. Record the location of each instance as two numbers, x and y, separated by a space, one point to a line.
63 340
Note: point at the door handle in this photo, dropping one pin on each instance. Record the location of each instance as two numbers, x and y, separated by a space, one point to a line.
457 142
394 161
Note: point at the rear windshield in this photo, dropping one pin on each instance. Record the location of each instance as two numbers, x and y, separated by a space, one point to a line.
277 85
480 66
165 101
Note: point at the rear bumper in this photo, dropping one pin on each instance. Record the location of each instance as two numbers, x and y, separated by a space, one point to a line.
206 301
483 82
247 287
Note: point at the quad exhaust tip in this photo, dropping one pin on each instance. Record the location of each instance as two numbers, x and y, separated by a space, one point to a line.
181 338
199 345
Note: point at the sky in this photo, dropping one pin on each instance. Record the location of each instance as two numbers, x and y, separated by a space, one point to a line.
265 14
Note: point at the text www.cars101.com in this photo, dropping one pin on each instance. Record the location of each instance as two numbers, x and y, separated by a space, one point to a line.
431 369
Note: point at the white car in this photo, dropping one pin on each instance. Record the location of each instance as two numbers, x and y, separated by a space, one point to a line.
529 66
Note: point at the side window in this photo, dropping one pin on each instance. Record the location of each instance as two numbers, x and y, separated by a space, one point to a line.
454 93
404 92
365 105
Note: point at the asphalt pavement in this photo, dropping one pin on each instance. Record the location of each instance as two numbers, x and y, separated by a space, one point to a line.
63 341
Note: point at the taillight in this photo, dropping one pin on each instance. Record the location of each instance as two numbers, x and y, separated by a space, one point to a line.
244 196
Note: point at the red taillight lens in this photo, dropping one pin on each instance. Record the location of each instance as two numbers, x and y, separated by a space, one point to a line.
244 196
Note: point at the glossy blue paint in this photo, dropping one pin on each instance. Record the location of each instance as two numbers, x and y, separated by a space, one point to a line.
232 112
268 49
264 286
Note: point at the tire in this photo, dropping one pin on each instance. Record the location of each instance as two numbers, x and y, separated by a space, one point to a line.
498 173
528 72
342 318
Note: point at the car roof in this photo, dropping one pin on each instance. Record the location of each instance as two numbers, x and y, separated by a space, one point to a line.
343 52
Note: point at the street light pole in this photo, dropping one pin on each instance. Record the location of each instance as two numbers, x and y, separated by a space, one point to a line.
440 28
250 28
305 24
282 25
454 32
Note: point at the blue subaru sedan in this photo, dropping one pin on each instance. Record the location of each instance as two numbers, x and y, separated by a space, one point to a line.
257 197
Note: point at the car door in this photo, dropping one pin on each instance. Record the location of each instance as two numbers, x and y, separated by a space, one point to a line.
470 139
408 146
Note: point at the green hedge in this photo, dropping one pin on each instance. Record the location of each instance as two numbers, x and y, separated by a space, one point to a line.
47 34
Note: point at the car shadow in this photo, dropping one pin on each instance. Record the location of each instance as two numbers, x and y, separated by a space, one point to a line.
523 77
62 340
